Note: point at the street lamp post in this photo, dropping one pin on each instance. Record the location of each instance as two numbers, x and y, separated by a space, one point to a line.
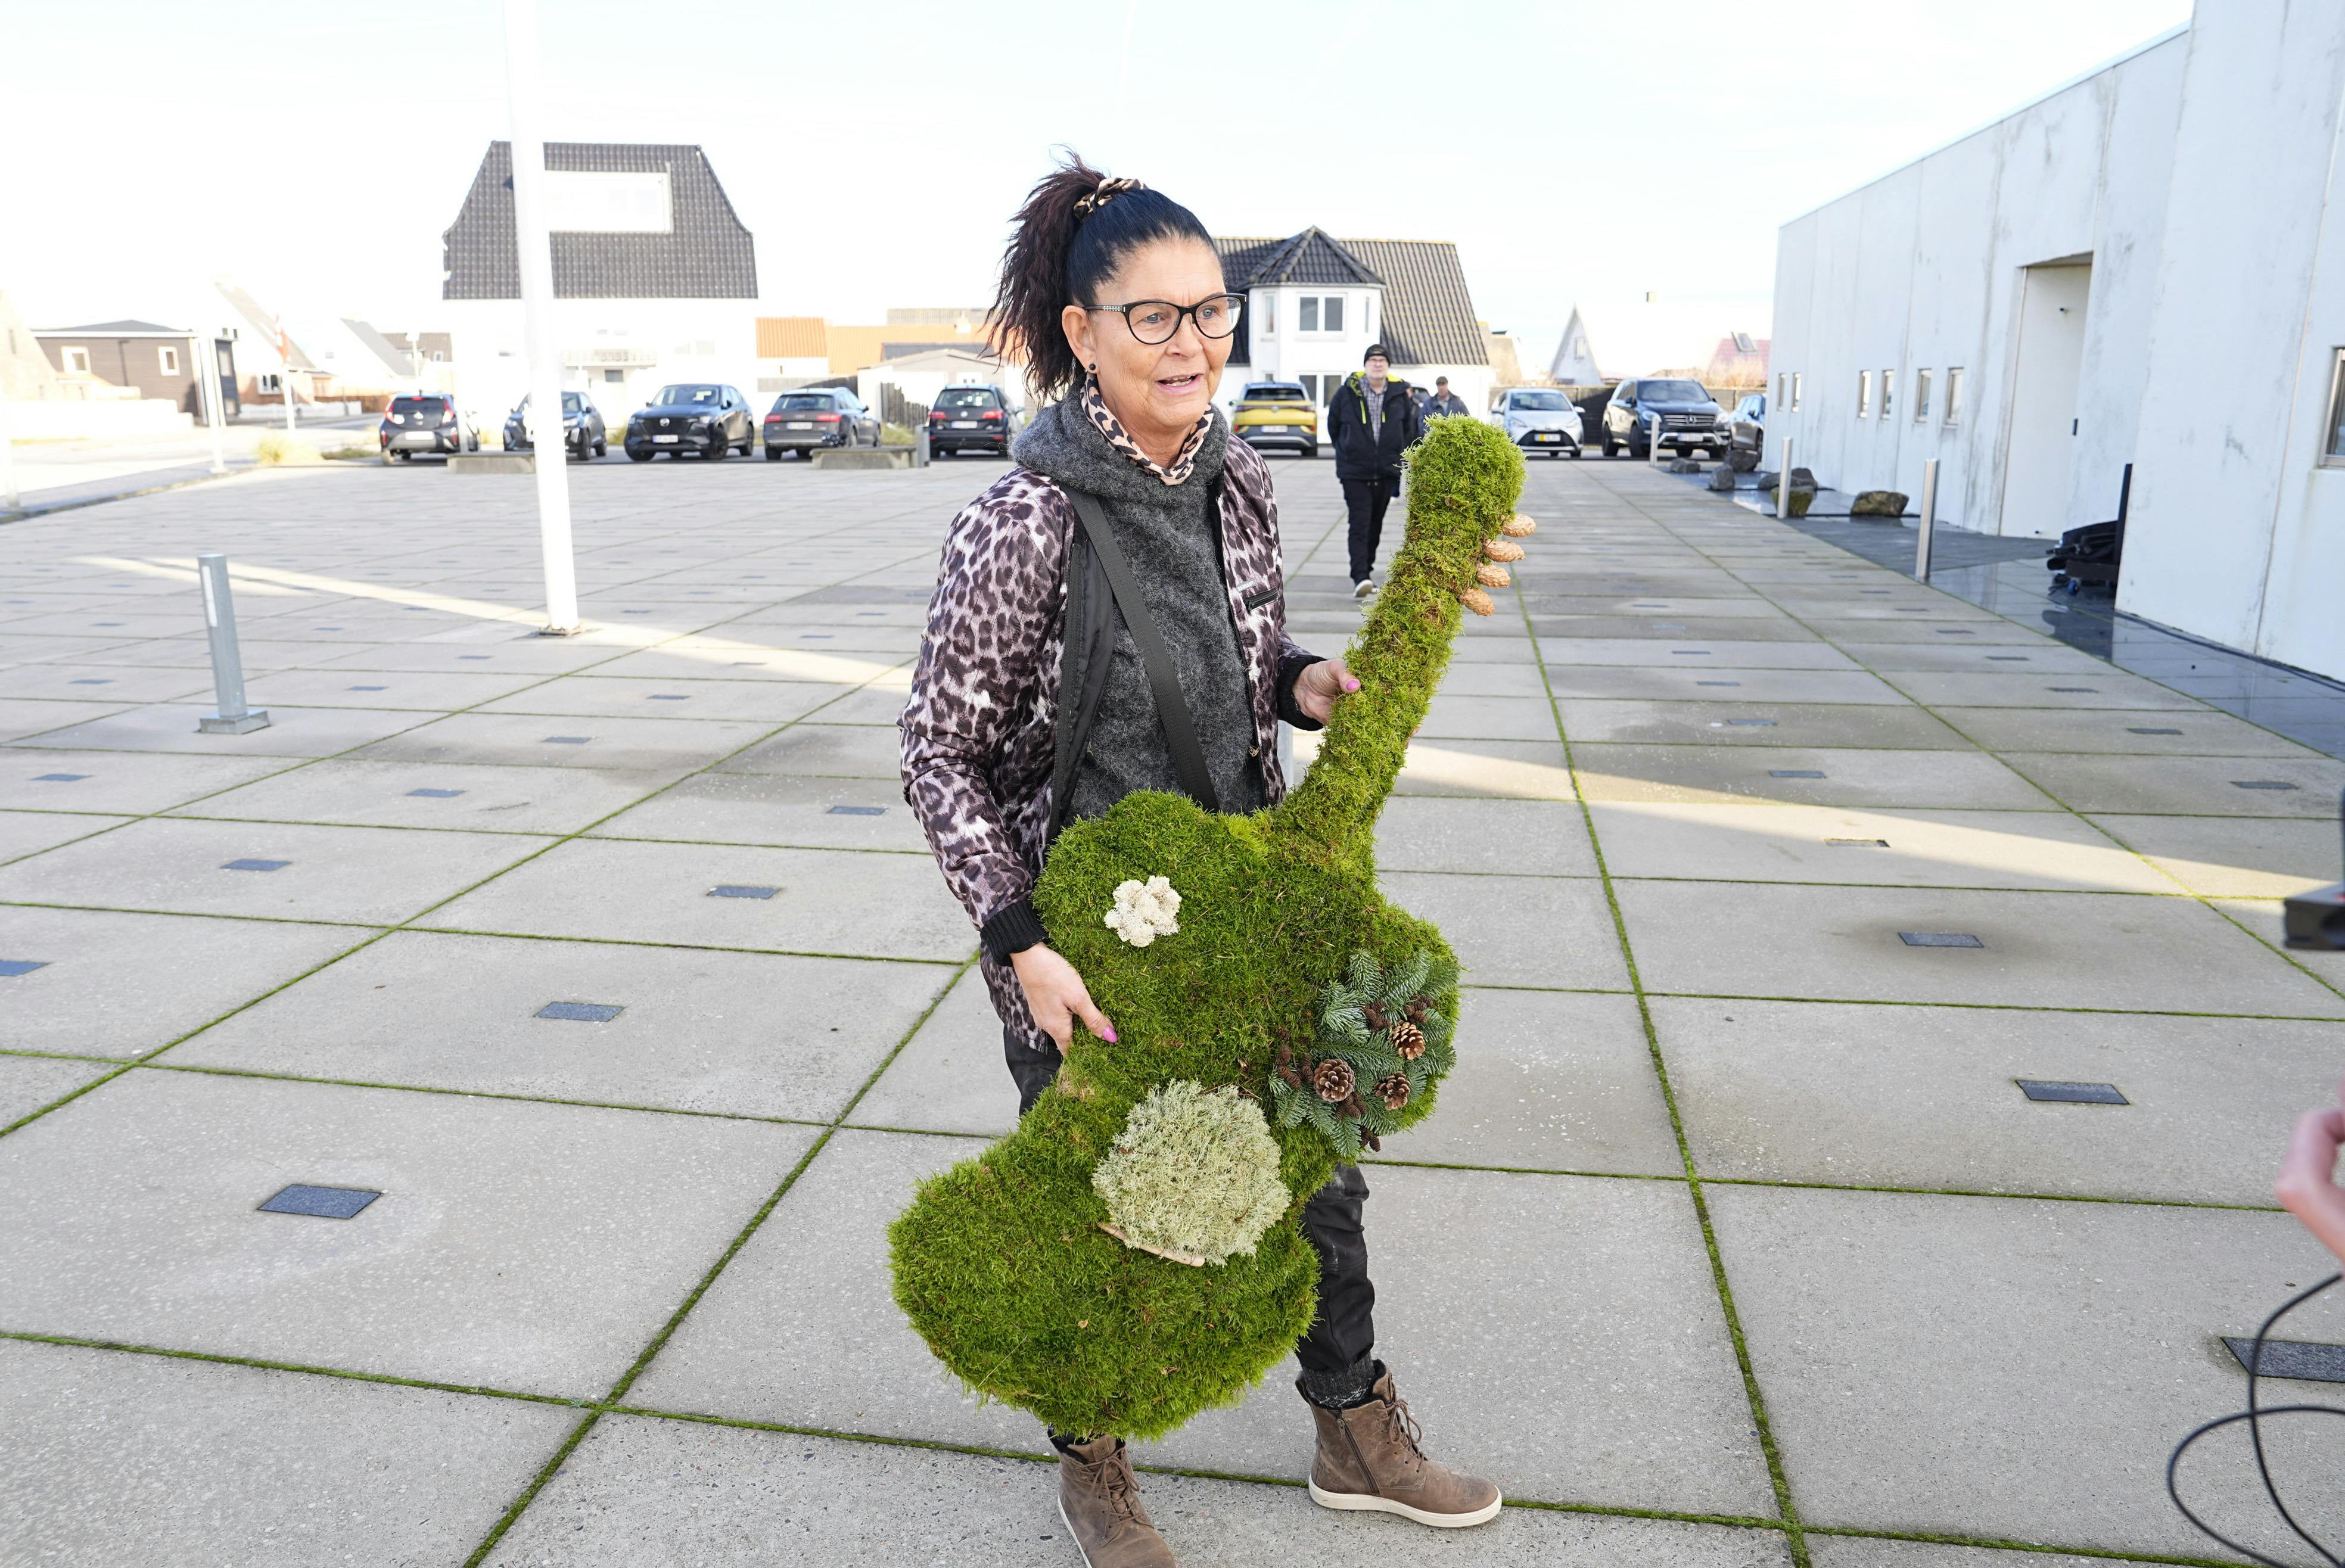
547 449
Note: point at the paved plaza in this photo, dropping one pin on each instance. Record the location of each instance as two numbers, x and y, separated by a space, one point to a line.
617 968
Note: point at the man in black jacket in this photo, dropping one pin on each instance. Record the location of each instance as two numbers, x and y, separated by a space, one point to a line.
1372 420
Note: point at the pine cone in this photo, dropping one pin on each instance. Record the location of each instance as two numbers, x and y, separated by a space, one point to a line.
1284 1068
1333 1080
1408 1042
1393 1089
1414 1012
1375 1015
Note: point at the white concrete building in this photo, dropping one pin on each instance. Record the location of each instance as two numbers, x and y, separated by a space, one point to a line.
2144 266
1314 304
654 277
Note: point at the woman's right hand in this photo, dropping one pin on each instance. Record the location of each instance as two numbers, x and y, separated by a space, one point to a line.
2308 1179
1057 995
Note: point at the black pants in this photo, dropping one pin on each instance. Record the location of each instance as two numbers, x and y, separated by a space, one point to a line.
1344 1334
1365 499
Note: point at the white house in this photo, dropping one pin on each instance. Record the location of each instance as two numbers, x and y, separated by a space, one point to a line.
1316 303
655 277
2144 266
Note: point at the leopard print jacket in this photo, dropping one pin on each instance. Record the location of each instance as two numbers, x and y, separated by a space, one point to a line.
978 729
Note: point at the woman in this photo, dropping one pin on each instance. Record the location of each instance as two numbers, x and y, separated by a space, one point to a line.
1032 707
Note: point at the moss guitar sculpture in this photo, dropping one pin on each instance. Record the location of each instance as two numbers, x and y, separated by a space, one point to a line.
1245 953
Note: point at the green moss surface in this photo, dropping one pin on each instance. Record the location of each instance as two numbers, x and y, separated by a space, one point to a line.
999 1262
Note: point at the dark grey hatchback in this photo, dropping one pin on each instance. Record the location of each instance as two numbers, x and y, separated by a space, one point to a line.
692 417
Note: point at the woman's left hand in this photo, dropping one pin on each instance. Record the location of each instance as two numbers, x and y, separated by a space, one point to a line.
1318 686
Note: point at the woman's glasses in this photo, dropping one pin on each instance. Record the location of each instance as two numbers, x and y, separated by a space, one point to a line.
1154 322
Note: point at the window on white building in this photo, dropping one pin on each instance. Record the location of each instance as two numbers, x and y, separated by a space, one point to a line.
267 381
76 362
1953 394
1270 315
1920 396
170 359
2332 446
1331 313
1888 390
1863 394
1309 320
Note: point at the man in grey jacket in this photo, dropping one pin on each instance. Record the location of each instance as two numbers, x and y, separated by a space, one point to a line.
1444 401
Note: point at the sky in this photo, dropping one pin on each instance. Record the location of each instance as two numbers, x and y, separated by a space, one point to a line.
315 150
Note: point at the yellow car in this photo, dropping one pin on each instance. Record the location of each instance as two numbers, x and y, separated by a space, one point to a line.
1278 414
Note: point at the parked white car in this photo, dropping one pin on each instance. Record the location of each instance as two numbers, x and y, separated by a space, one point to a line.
1537 418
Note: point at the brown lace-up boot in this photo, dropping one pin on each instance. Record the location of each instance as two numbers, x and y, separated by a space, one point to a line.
1369 1459
1100 1500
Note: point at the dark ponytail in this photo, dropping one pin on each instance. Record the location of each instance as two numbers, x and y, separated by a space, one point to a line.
1075 228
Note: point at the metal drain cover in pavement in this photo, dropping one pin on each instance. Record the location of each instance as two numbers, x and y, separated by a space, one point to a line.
92 681
2007 659
256 866
2302 1359
1859 843
858 811
2095 689
1752 723
741 890
566 740
580 1012
2067 1093
59 778
1794 774
1954 632
2261 784
367 688
1718 682
1939 940
667 697
2137 730
321 1202
12 967
436 793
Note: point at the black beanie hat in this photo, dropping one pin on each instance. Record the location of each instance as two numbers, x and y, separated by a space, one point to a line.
1375 351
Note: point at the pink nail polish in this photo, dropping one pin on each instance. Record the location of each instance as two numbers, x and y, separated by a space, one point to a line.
1351 685
1110 1037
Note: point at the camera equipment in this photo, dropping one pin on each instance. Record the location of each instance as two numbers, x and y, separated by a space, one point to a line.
2317 919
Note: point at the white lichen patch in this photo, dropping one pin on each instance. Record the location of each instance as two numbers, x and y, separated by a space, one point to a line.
1144 911
1193 1176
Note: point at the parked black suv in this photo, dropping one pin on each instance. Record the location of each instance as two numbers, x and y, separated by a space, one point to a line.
971 419
1691 418
815 417
691 417
583 431
427 422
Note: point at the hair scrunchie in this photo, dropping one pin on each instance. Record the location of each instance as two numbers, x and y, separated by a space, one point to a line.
1108 188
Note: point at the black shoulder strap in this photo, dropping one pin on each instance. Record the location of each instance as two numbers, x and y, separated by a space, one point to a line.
1171 707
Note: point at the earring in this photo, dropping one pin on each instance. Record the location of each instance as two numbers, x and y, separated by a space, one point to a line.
1094 366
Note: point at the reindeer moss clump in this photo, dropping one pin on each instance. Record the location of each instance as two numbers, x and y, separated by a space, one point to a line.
1194 1178
1001 1262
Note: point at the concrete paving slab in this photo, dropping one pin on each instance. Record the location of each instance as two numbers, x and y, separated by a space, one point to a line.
1872 1551
1487 680
529 1247
2063 1349
1593 1367
1835 621
1924 1097
1725 775
1527 838
825 751
83 680
1548 1081
28 1083
1771 842
1684 651
434 690
776 809
2263 918
1449 717
144 1462
23 718
1968 655
2233 856
1647 684
25 833
764 1496
117 984
741 1034
826 901
368 874
670 746
501 651
2107 688
2199 732
765 702
1536 931
291 731
1835 724
387 795
950 1077
2199 786
2083 950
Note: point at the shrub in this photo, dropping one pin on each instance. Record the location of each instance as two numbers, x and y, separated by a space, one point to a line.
999 1262
277 449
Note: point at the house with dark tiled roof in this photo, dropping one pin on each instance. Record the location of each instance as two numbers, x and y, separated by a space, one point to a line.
655 275
1315 303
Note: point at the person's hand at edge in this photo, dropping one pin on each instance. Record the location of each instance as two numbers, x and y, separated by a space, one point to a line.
1057 995
2307 1186
1317 686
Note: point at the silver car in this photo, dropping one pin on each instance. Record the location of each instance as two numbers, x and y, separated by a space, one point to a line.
1538 418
